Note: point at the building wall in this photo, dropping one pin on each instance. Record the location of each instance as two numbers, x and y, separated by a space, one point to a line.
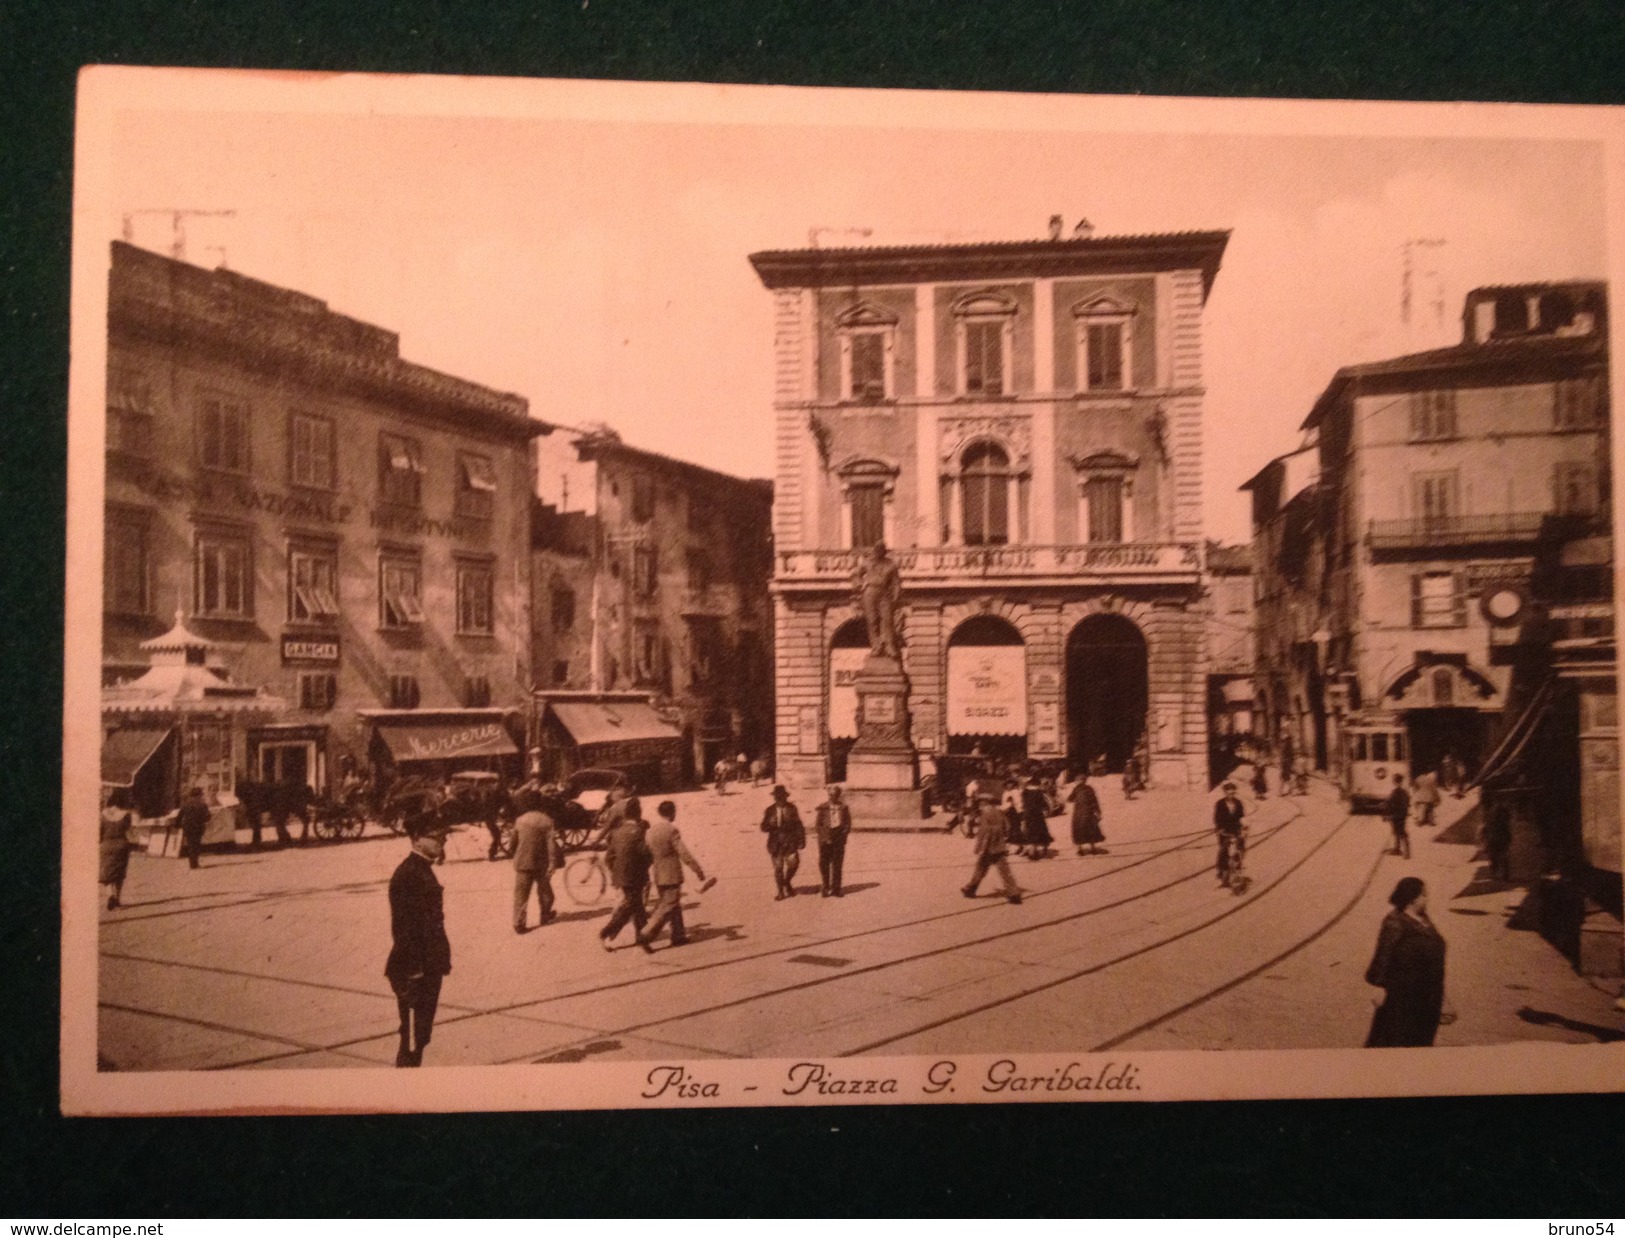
1046 425
156 478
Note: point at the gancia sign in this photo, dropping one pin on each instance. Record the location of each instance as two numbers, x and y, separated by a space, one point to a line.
324 649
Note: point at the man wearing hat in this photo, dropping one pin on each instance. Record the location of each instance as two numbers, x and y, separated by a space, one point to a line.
832 821
420 957
193 819
535 856
992 841
1227 818
786 836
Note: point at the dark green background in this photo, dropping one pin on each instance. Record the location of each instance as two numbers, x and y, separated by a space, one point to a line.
1542 1156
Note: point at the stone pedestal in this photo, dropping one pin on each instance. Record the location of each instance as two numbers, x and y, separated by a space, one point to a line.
882 770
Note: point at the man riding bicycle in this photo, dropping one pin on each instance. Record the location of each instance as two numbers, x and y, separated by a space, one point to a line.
1228 814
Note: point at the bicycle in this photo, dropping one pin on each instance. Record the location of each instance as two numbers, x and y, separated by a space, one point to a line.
1232 869
586 879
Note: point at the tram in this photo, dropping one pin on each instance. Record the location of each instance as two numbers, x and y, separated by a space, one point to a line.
1374 750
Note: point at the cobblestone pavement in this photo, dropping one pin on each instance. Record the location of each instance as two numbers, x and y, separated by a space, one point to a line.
274 959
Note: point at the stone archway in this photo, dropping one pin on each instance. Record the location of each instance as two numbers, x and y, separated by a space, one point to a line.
1107 691
987 688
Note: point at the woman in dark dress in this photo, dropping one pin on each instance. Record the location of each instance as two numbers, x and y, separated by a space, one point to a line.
113 848
1086 815
1409 967
1034 828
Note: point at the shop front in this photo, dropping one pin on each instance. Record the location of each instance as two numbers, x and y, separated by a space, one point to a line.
987 690
610 731
183 723
436 743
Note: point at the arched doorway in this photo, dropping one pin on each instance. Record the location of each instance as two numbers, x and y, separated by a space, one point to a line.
987 689
847 650
1107 690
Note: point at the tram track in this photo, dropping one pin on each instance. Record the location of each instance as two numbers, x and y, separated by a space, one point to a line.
1181 842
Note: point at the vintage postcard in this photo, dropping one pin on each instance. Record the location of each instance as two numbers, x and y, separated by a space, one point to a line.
591 595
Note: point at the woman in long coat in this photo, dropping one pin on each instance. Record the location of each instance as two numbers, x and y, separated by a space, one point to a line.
1086 815
113 847
1409 967
1034 829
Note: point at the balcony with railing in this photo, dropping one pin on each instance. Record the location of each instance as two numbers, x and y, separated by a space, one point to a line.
1127 562
1496 528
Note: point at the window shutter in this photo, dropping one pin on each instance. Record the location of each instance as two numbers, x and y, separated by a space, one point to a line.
1416 601
1458 600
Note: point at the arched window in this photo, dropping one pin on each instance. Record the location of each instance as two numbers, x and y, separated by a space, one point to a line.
985 485
866 510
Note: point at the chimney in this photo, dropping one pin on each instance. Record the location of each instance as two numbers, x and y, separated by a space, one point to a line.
1056 223
1083 231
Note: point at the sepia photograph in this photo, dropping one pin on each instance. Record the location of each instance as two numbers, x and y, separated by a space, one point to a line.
612 595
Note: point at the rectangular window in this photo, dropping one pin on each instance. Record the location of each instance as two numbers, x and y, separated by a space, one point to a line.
1103 504
130 411
223 585
1433 415
318 689
643 499
1357 747
1575 482
476 486
645 571
1379 747
1577 403
223 435
561 674
126 564
400 471
477 691
404 692
313 585
699 570
868 516
1435 496
310 451
1438 600
868 367
984 358
400 592
564 608
475 588
1105 359
646 654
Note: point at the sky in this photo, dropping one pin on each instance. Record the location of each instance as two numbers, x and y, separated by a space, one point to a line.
599 267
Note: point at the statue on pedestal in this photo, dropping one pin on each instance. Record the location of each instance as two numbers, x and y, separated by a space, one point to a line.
877 587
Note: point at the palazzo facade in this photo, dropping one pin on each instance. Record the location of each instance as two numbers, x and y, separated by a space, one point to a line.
1021 425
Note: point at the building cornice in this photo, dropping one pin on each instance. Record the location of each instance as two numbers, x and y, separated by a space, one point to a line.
991 261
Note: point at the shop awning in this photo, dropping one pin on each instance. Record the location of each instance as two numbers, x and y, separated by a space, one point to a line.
127 750
1505 763
594 722
446 741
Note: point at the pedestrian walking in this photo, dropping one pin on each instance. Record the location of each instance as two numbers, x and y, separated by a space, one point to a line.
1261 786
1426 788
1229 815
1133 782
1498 836
420 953
786 836
193 820
535 857
113 846
1288 763
1398 810
1408 967
667 859
721 772
1034 824
832 822
628 860
1010 805
1086 816
1452 774
992 843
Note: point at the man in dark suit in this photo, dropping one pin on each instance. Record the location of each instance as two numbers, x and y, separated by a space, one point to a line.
1227 824
992 844
193 820
420 957
832 821
535 856
627 858
786 836
1398 812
